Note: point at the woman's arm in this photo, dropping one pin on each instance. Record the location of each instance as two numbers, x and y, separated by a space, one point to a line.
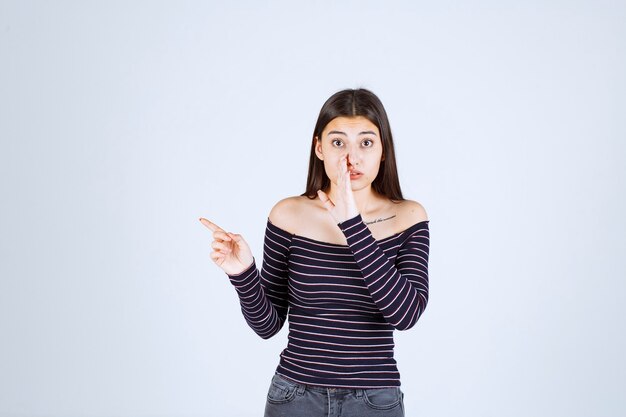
400 291
263 296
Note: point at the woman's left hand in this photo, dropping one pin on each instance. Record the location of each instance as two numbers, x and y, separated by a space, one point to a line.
344 206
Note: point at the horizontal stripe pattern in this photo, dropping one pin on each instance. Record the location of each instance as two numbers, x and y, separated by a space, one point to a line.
343 301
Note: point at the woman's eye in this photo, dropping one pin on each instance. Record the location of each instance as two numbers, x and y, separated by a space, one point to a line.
336 142
367 143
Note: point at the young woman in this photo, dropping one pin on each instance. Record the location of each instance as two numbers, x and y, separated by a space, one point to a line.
346 262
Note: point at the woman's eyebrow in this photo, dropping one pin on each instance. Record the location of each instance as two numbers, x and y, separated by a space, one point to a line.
336 132
367 132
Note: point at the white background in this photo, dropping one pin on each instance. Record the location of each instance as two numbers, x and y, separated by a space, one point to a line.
121 124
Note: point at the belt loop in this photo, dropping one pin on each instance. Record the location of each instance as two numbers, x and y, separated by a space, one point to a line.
359 393
300 389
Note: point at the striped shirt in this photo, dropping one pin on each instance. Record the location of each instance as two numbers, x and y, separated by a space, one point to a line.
343 301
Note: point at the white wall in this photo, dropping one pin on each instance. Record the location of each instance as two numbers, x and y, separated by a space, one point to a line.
121 124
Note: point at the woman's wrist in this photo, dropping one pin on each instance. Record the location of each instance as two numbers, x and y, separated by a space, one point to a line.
351 219
244 271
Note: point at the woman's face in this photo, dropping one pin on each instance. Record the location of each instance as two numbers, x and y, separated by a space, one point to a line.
359 139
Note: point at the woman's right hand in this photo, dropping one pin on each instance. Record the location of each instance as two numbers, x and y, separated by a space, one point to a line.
230 251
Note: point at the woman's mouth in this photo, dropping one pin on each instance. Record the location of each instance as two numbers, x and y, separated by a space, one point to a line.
355 175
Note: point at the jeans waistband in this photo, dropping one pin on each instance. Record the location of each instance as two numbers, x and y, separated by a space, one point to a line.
319 388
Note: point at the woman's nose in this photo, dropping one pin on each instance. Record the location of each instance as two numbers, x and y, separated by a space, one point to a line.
353 158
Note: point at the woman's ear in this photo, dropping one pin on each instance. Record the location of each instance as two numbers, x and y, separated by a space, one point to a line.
318 148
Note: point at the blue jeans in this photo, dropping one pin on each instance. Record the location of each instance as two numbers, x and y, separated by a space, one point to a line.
286 398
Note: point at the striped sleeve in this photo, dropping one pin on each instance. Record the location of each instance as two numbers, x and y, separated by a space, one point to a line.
399 290
264 296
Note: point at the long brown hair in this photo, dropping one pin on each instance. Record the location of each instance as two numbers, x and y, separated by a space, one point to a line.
352 103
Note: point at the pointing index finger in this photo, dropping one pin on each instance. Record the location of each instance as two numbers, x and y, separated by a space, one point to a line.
210 225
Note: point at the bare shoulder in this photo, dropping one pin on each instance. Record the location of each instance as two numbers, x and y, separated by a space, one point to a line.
411 212
288 212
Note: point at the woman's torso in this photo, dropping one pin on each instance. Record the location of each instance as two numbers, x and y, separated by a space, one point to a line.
337 335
